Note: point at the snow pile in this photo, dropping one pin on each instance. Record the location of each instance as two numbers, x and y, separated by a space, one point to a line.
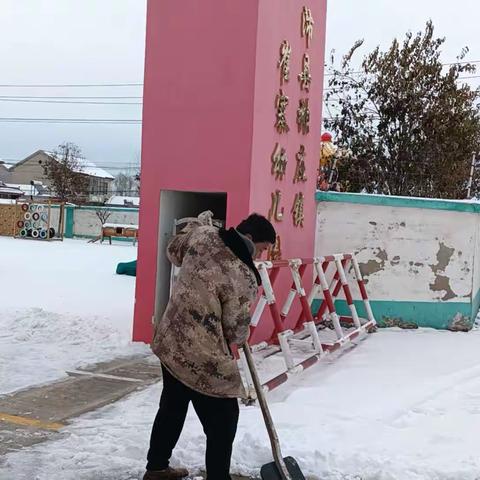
62 306
403 405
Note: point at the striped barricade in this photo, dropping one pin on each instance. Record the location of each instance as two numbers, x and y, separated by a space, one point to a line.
330 281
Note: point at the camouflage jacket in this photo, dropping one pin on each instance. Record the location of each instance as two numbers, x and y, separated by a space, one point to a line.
209 309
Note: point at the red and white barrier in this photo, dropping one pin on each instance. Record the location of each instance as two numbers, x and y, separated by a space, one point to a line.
330 279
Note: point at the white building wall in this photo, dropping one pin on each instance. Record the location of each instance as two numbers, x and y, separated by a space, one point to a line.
87 224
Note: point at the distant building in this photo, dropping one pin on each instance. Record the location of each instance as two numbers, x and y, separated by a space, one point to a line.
35 191
31 169
9 192
122 201
5 171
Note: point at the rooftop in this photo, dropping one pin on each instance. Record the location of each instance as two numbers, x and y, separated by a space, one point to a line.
10 190
89 168
7 165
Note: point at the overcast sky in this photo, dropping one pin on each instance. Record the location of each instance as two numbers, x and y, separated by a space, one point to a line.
102 42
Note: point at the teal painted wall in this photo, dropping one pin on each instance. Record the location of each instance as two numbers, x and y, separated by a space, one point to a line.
391 201
475 305
438 315
69 214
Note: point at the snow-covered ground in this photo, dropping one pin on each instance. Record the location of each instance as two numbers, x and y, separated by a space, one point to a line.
61 306
402 405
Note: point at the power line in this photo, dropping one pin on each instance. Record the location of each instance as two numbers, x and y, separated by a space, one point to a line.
112 121
119 167
103 167
69 85
460 63
443 65
91 85
115 162
68 102
130 163
469 78
126 164
74 97
113 165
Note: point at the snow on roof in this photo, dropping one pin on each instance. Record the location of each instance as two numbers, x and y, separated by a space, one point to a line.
10 189
8 166
123 201
120 225
88 168
26 188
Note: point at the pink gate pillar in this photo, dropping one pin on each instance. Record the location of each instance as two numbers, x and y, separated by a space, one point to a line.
211 83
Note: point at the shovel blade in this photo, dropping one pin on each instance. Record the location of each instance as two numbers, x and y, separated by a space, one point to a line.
270 470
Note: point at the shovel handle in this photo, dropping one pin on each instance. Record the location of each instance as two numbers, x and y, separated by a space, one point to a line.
272 433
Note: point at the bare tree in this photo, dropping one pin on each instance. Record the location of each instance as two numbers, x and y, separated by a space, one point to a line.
126 184
64 171
137 180
103 215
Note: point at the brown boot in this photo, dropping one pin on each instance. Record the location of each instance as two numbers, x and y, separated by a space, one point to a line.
167 474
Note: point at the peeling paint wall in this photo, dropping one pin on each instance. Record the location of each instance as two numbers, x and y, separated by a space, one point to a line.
411 255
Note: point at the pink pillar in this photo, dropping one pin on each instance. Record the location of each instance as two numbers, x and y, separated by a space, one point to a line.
211 80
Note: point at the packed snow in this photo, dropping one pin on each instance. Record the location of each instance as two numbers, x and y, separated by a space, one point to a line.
402 405
62 307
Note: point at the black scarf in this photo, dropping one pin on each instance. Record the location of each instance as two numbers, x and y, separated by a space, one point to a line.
235 243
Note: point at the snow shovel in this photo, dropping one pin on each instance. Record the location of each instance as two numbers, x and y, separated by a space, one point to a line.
282 468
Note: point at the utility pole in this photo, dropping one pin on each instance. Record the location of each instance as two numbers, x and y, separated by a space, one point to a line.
470 180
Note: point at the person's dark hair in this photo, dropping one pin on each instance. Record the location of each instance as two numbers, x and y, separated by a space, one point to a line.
259 228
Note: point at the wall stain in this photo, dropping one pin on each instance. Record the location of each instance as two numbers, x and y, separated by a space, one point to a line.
444 256
373 266
395 260
412 270
398 322
442 282
382 255
460 323
465 268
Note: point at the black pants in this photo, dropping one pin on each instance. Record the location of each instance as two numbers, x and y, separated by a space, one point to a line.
218 416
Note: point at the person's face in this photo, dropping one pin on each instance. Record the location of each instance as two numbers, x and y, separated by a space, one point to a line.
260 248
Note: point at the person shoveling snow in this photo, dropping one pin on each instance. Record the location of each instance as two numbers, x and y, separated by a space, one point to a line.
209 309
